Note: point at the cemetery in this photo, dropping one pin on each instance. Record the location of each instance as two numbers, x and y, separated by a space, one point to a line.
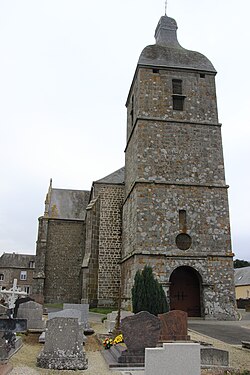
75 339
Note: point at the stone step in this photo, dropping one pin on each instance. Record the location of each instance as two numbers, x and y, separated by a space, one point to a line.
245 344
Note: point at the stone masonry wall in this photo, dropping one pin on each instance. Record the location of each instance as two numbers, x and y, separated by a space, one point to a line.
64 254
216 273
111 199
90 264
151 220
152 96
175 153
174 163
161 139
39 273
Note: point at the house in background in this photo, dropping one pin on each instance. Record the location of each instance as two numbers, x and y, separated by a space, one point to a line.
242 283
17 266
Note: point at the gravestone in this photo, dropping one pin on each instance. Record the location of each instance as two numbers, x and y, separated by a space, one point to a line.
63 348
173 326
9 342
139 331
173 359
68 313
3 310
84 309
213 357
33 312
9 297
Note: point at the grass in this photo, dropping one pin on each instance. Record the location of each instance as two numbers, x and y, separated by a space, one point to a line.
99 310
102 310
54 305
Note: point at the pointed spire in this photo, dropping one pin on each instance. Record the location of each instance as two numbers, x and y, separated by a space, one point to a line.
47 199
165 33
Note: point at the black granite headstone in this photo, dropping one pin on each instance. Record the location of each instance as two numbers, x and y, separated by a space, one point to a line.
13 325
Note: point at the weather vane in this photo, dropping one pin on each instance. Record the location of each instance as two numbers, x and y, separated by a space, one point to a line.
166 3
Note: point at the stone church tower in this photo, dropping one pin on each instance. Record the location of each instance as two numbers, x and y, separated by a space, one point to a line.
175 213
168 208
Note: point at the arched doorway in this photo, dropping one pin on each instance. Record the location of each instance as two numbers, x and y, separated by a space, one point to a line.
185 291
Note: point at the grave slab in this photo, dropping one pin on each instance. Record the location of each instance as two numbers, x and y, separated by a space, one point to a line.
173 359
213 357
7 350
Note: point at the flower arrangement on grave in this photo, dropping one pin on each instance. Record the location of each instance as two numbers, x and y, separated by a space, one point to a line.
118 339
107 343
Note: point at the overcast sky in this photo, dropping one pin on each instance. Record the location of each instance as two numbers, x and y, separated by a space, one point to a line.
65 70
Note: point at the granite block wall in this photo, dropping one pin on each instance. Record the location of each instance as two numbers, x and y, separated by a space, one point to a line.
64 254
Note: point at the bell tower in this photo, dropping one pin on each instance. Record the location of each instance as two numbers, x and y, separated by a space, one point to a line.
175 214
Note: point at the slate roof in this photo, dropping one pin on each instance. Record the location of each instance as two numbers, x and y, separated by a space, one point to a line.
167 52
116 177
14 260
242 276
67 204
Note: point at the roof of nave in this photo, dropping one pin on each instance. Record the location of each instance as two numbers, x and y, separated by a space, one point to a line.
66 204
116 177
15 260
167 52
242 276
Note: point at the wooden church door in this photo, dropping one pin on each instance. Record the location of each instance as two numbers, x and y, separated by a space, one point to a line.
185 291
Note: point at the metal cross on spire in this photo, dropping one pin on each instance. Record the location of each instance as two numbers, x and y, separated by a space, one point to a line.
166 3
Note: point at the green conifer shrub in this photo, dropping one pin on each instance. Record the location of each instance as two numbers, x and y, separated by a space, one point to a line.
148 294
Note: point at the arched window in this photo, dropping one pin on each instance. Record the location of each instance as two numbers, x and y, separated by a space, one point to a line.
1 276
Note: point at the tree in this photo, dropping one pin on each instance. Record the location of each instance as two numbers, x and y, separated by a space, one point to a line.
239 263
147 293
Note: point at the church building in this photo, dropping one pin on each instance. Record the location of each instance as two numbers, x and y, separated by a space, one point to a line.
167 208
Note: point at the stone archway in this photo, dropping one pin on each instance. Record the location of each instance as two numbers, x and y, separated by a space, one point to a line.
185 291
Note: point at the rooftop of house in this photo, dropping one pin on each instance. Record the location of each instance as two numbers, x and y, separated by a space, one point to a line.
14 260
242 276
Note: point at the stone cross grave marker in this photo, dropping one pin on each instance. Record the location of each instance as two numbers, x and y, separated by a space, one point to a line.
10 295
